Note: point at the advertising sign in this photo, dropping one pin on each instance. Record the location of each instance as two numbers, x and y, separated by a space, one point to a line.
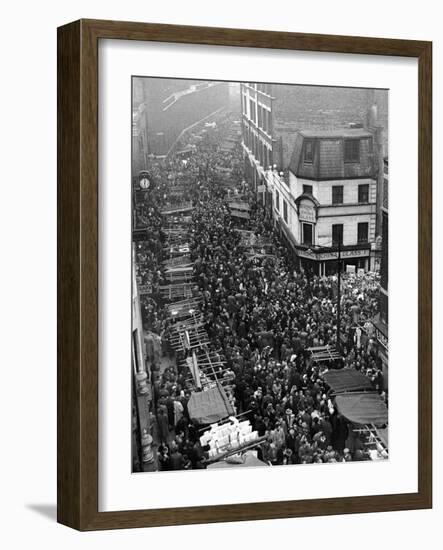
306 213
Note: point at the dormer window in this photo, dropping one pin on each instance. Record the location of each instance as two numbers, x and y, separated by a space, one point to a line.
352 150
309 151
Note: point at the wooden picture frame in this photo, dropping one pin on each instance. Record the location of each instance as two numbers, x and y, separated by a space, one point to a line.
78 274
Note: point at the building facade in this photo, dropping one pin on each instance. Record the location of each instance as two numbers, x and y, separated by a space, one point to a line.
139 140
138 344
329 199
257 136
381 323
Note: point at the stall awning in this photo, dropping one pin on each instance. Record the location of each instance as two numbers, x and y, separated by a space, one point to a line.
239 205
240 214
209 406
363 408
347 380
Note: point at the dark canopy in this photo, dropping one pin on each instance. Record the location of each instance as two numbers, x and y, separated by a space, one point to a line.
346 380
363 408
209 406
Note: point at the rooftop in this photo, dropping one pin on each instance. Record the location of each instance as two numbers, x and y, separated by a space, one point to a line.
332 154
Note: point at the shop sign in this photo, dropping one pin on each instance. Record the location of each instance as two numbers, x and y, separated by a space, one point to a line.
324 256
145 289
306 213
381 338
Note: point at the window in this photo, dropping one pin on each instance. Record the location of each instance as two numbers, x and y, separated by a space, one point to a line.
245 134
309 151
269 123
307 233
363 193
362 232
252 110
277 200
285 211
265 119
352 150
307 189
337 234
337 194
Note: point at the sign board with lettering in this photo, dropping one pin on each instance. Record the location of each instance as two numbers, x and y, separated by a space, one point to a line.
381 338
324 256
306 212
145 289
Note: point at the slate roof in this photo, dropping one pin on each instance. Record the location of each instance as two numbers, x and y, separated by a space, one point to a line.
328 160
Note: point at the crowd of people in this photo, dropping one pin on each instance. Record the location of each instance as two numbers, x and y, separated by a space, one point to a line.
261 313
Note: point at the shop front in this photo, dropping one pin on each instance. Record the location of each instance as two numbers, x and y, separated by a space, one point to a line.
381 334
323 262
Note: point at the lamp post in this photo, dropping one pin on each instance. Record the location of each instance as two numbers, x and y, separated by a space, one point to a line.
338 328
338 297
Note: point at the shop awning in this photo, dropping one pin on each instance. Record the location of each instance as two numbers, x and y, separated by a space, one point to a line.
363 408
240 214
209 406
347 380
239 205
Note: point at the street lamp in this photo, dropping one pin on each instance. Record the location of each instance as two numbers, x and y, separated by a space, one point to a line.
309 251
338 296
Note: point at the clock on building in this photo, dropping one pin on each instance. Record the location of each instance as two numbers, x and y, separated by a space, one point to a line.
145 183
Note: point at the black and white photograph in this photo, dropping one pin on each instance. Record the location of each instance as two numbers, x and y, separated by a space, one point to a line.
259 274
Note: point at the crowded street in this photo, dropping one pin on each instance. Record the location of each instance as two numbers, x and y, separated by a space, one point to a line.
239 336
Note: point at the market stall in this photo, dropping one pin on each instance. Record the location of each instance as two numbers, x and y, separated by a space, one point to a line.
363 408
347 380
